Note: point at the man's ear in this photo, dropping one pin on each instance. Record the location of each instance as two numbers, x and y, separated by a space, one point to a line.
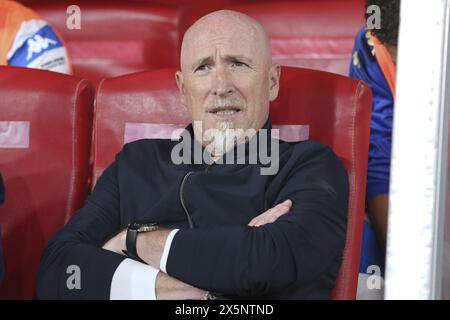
274 81
180 84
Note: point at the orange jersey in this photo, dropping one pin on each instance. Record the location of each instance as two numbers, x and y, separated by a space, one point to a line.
26 40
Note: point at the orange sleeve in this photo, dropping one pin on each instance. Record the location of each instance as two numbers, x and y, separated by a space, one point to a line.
12 14
386 64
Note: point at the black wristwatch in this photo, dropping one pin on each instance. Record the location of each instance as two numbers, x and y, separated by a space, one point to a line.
132 232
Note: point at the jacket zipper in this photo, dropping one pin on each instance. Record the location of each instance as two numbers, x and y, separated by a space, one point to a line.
188 216
183 203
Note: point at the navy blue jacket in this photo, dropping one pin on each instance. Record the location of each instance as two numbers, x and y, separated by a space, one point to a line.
296 257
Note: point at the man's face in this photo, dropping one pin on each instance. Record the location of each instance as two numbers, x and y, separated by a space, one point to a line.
227 77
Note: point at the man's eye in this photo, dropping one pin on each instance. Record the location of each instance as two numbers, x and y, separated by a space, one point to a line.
238 64
202 67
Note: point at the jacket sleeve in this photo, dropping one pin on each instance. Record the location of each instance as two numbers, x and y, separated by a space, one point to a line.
74 266
297 248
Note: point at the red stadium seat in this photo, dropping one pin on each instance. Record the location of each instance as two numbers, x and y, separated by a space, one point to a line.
335 109
45 136
195 9
313 34
116 37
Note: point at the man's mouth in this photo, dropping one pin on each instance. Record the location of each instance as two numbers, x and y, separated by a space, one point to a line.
225 111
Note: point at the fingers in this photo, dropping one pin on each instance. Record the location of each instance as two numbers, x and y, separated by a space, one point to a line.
272 214
265 216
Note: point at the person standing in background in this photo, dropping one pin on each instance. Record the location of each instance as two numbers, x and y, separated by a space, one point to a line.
374 59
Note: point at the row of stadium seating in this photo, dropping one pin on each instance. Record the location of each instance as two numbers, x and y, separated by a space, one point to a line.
121 37
47 125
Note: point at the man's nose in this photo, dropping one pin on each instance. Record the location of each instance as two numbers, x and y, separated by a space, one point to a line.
222 84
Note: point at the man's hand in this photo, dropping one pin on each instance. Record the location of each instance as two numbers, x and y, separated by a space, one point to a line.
117 243
169 288
272 214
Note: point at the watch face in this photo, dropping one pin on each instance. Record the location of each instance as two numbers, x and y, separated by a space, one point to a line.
143 226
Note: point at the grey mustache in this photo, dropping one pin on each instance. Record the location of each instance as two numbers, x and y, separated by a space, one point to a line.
221 104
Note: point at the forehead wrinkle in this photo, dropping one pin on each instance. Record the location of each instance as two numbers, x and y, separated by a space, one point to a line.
224 26
221 49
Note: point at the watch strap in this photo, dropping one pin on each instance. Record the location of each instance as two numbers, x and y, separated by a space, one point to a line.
131 240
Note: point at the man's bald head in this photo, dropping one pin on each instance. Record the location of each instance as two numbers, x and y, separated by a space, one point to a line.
225 23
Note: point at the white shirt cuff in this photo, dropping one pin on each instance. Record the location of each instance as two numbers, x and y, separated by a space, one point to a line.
165 255
133 280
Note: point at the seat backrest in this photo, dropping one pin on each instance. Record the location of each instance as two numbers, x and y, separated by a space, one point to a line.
333 109
128 109
195 9
313 34
116 37
45 137
337 110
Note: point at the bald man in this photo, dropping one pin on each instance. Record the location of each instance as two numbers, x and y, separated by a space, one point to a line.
162 224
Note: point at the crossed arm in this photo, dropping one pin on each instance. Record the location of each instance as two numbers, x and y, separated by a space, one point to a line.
245 261
150 247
